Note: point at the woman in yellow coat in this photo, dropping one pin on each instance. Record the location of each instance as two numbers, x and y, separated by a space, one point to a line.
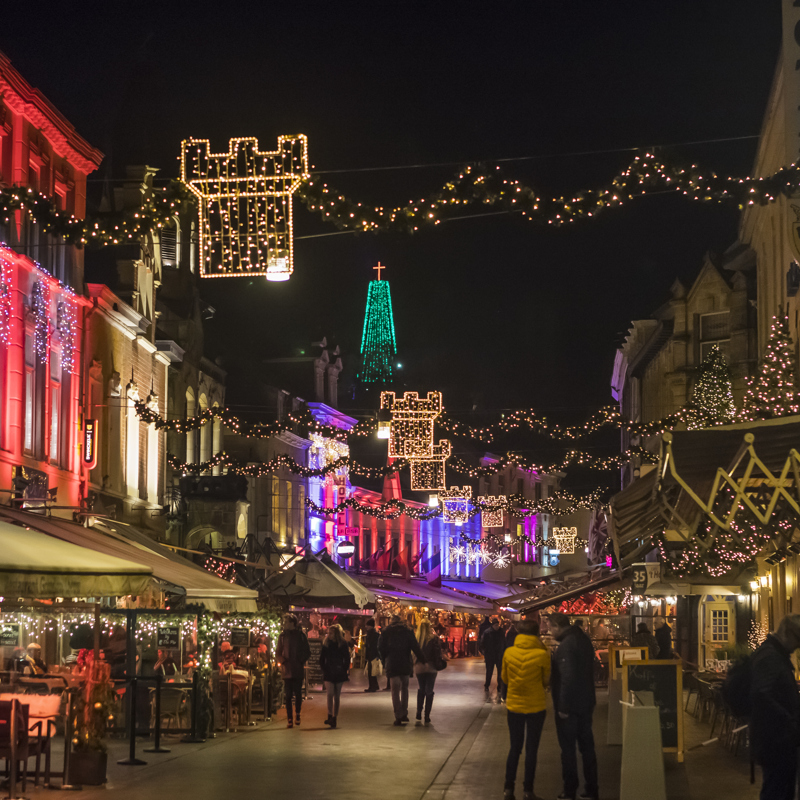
526 673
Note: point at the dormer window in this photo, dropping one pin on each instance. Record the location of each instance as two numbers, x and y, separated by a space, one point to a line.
715 329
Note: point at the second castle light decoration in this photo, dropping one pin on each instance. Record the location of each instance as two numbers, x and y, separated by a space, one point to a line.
245 204
411 437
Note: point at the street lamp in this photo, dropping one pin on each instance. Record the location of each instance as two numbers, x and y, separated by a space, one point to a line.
384 423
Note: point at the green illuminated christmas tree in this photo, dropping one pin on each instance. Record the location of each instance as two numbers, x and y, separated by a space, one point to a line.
712 399
774 392
378 347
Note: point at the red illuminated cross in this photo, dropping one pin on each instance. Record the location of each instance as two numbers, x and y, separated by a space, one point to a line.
379 268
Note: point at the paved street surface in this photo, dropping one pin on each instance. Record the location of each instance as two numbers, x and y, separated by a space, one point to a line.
460 757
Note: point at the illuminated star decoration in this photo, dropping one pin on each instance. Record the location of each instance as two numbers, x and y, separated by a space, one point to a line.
245 204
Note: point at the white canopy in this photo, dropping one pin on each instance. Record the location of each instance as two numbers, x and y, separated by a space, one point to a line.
34 565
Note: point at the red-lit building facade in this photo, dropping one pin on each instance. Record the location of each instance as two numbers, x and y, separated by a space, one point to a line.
41 303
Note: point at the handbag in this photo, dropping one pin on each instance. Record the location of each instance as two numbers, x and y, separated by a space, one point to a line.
440 662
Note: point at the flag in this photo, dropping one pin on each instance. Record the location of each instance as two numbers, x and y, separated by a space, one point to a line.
433 570
375 557
598 536
403 567
418 557
384 561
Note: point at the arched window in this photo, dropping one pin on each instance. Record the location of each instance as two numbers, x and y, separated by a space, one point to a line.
216 439
205 434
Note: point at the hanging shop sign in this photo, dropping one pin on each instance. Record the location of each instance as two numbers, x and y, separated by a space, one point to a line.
345 549
644 575
90 443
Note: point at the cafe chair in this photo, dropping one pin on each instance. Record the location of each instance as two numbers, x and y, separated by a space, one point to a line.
173 705
692 686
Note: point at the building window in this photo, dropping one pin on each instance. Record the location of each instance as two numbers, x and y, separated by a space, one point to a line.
55 405
275 503
715 329
719 625
286 515
132 444
30 390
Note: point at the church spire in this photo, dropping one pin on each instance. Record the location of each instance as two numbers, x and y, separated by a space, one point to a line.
378 346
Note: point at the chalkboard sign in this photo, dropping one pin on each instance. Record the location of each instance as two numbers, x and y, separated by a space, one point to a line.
168 637
665 680
240 637
9 635
313 669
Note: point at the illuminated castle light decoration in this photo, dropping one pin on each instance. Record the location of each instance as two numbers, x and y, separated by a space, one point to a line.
245 204
378 345
427 474
565 539
492 517
455 504
411 437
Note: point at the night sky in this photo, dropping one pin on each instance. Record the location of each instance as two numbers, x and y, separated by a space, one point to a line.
495 311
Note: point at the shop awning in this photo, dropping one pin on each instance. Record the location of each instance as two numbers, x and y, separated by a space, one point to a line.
315 581
36 566
443 598
553 594
483 590
173 572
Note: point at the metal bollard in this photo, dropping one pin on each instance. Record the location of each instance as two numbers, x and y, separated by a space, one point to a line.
194 737
131 760
157 748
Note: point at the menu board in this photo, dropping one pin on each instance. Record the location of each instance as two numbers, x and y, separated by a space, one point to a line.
665 680
313 669
240 637
9 635
169 637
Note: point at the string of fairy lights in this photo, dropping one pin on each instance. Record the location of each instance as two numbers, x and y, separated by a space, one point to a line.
560 503
473 185
484 185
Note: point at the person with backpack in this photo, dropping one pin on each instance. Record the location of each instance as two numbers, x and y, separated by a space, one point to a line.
775 709
431 646
334 661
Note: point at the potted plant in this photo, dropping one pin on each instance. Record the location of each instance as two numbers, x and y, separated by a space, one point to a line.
92 709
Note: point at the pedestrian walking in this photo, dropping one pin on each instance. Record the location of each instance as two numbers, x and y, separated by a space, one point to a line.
431 646
292 653
334 661
491 648
395 647
574 701
664 638
526 674
371 657
644 638
775 710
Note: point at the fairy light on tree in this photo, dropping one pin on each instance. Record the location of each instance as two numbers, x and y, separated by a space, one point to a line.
378 344
774 392
712 399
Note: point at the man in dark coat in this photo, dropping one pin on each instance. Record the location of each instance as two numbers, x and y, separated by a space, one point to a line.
371 655
292 652
491 647
395 646
775 710
643 638
572 684
664 638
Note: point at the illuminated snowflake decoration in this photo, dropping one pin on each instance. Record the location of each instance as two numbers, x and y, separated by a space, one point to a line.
458 552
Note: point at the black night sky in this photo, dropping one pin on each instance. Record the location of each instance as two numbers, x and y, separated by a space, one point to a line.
492 310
